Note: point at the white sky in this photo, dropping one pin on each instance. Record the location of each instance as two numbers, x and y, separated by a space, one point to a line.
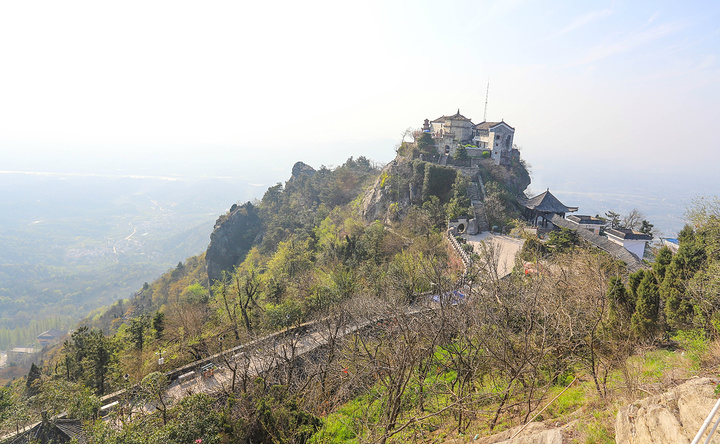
583 83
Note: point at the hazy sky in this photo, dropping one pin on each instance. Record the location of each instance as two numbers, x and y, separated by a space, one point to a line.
633 84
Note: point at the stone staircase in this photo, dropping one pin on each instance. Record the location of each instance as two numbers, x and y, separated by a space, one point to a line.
476 199
443 159
480 216
473 192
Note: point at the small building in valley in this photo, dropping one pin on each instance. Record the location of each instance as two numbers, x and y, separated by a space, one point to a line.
17 354
48 337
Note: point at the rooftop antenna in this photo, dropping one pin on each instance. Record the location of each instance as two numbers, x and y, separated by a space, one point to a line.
487 93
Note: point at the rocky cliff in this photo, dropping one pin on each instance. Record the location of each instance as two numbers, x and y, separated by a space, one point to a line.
378 198
233 236
672 417
236 232
405 182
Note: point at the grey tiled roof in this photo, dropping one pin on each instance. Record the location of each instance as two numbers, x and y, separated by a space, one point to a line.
456 116
589 220
617 251
56 431
488 125
624 233
547 203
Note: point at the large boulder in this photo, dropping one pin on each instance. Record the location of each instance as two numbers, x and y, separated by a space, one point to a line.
672 417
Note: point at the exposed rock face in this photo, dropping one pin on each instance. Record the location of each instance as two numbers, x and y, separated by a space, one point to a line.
377 198
301 168
231 239
404 182
534 433
672 417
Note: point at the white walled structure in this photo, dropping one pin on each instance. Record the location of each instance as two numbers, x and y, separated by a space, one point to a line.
449 132
632 241
496 137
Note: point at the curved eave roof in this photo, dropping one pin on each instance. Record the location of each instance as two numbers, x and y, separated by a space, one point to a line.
456 116
547 203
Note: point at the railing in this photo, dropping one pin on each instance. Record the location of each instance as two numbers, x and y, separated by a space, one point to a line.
457 248
705 425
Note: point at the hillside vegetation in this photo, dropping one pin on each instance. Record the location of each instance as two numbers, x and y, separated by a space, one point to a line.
422 368
73 243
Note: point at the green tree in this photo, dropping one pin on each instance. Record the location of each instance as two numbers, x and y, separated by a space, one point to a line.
435 211
153 388
426 146
461 155
88 356
645 319
690 258
76 399
621 307
137 329
646 227
563 239
662 260
158 324
194 418
533 250
459 204
613 218
284 315
247 285
33 381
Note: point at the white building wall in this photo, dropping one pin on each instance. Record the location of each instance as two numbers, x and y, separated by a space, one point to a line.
636 247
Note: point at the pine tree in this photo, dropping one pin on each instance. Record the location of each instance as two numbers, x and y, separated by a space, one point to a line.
621 306
662 260
158 324
32 383
645 319
677 307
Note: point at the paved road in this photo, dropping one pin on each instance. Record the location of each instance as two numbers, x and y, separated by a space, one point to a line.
507 248
250 365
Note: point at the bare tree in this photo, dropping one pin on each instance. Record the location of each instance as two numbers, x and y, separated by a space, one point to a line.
633 219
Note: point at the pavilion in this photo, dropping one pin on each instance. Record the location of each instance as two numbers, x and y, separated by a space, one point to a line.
540 209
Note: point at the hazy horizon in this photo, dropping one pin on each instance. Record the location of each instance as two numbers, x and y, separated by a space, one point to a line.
612 98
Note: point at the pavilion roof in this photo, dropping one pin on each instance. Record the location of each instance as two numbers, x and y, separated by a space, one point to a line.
547 203
456 116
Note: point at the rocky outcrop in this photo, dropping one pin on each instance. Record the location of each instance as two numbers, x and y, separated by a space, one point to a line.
672 417
378 198
404 182
299 169
231 239
534 433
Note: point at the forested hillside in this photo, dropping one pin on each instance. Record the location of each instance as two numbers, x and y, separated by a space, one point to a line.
415 345
73 243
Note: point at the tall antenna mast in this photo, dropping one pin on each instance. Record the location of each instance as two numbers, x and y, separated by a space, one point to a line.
487 93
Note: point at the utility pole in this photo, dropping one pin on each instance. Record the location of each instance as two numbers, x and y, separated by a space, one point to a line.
487 93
